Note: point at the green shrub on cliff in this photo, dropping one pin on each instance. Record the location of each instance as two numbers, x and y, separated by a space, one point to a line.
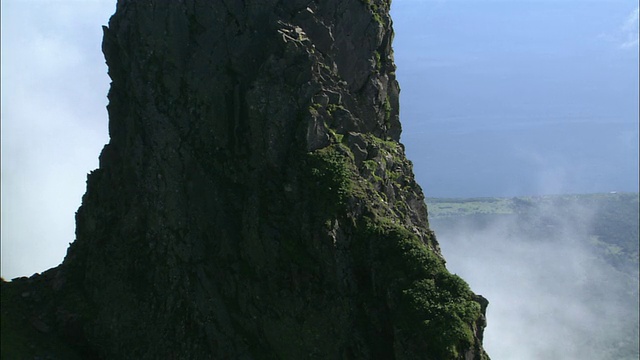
427 300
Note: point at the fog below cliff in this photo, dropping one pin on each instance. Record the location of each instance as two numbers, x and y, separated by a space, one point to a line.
551 296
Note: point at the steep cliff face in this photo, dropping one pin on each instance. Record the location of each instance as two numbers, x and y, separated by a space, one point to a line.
254 200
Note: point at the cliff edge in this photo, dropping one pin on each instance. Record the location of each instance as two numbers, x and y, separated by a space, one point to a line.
254 201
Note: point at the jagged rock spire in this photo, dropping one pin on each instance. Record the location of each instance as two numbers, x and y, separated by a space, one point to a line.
254 201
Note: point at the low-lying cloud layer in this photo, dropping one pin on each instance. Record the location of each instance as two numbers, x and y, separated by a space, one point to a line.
551 296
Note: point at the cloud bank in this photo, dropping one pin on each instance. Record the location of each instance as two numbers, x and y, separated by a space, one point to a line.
551 296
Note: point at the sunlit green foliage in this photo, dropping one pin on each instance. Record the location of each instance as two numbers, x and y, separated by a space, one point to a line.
430 302
330 173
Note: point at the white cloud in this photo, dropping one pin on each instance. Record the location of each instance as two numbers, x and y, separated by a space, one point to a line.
626 35
630 30
54 123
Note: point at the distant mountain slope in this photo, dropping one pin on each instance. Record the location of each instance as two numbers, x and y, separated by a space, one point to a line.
563 270
611 220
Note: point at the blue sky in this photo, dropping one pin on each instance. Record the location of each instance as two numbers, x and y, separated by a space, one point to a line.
504 98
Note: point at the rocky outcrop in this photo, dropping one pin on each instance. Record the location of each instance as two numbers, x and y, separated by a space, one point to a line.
254 200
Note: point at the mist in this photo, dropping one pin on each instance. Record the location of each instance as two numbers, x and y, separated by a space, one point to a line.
551 295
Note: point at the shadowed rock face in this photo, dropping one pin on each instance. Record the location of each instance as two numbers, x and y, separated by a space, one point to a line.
254 201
